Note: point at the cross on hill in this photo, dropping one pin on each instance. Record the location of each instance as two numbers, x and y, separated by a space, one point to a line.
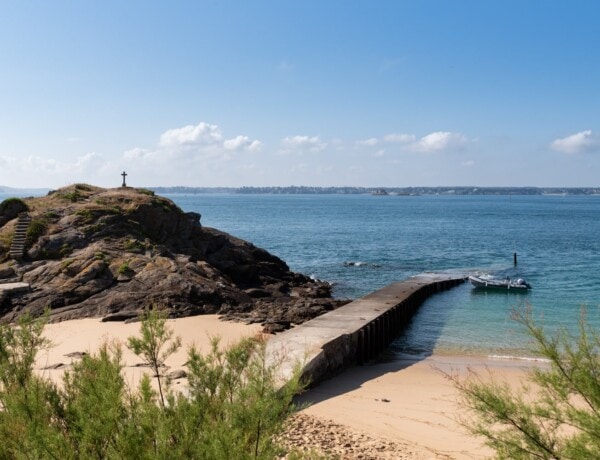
124 174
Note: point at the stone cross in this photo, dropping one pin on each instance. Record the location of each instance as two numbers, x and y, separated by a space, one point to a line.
124 174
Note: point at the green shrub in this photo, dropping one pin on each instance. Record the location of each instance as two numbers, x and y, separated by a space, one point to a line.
13 202
134 245
66 264
51 215
73 196
234 407
87 214
36 228
124 268
562 420
65 250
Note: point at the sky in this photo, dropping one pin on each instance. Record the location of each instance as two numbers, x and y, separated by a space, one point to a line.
316 93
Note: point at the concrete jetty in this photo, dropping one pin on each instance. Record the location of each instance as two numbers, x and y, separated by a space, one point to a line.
356 332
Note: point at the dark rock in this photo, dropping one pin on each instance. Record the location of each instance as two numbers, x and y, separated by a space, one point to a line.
112 253
273 327
76 354
123 316
257 293
7 272
176 375
54 366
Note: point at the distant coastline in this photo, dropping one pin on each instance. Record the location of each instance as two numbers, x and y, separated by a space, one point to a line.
306 190
401 191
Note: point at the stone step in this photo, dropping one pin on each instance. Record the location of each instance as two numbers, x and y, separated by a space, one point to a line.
17 246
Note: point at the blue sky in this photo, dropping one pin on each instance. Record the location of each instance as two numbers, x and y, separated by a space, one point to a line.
357 93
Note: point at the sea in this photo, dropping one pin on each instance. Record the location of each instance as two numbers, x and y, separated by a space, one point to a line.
360 243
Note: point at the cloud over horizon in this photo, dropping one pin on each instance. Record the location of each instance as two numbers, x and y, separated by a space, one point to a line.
302 143
581 142
440 140
432 142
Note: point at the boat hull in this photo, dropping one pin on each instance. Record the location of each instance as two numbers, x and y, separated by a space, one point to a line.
497 284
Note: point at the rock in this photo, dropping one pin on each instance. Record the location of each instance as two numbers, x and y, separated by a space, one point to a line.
176 375
7 272
53 366
275 327
76 354
112 253
123 316
257 293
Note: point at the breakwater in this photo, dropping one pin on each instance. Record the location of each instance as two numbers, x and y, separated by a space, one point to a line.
355 333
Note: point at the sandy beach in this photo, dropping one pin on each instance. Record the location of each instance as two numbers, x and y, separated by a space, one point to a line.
86 335
399 409
410 403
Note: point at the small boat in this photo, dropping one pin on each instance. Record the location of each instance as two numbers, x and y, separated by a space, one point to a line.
489 282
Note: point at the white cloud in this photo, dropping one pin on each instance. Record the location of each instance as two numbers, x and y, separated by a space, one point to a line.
82 168
440 140
379 153
255 146
369 142
433 142
468 163
188 152
137 153
302 143
584 141
399 138
242 142
236 143
201 134
190 142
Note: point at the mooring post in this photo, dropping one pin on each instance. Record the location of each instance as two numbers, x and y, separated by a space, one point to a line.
515 258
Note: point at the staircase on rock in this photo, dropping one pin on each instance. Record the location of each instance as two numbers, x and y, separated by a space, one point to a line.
18 243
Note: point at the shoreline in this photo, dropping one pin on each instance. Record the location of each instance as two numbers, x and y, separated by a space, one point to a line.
411 401
401 408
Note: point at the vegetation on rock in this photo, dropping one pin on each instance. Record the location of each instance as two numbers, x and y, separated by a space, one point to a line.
97 252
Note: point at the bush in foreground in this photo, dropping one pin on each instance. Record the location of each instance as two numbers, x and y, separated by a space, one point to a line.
233 408
558 417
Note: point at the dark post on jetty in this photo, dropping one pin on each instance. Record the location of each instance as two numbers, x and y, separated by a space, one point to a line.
515 258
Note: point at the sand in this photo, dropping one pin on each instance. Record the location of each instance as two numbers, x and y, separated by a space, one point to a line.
400 409
86 335
410 402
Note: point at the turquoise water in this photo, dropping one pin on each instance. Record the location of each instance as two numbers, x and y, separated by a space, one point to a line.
390 238
393 237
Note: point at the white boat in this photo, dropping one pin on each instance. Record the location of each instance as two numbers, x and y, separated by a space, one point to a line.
506 284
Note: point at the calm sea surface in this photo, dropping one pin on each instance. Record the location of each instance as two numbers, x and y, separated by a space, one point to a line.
389 238
393 237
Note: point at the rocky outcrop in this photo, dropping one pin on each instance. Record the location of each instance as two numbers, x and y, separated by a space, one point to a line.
94 252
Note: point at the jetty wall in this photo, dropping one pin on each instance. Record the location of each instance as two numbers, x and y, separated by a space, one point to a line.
355 333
